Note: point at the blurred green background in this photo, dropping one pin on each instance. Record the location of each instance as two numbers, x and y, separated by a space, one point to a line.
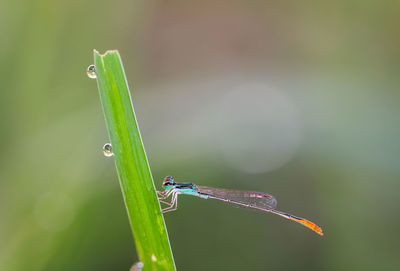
299 99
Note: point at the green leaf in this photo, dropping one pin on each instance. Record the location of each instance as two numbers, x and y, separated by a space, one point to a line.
134 173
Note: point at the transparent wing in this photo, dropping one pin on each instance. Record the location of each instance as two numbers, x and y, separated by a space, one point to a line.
251 199
256 200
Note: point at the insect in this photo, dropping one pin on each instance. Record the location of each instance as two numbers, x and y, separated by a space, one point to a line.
250 199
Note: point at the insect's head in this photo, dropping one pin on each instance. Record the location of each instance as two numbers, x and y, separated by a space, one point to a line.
168 182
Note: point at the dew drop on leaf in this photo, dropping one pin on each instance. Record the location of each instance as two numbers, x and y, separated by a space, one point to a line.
107 150
91 71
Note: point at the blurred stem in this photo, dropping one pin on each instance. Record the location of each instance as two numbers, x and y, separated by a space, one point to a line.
136 181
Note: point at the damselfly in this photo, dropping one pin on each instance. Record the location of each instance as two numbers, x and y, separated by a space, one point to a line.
250 199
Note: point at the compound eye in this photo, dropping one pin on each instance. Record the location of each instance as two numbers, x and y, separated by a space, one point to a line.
169 180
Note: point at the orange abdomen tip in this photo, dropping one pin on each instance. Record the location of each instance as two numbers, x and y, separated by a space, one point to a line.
307 224
310 225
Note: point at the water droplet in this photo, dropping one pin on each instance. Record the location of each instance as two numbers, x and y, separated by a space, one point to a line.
153 258
137 266
107 150
91 71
